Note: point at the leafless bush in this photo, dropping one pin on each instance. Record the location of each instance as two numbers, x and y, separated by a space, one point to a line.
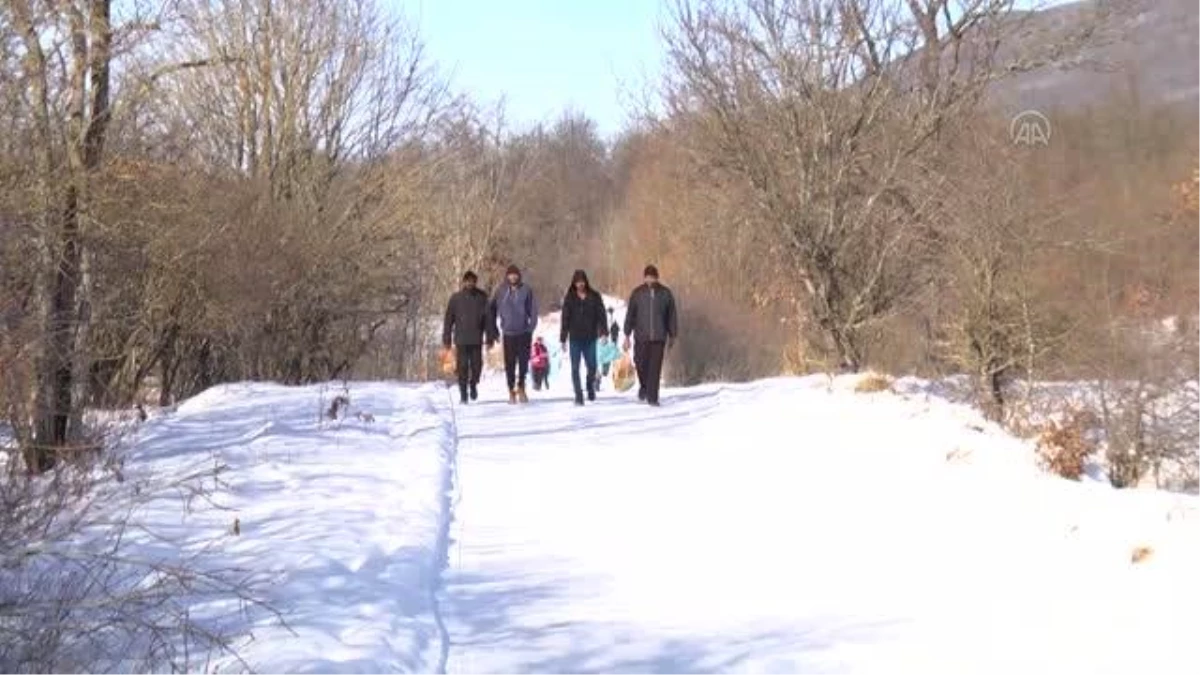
719 343
1150 433
85 586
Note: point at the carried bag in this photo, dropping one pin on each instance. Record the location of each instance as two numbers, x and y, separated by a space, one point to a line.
449 363
623 373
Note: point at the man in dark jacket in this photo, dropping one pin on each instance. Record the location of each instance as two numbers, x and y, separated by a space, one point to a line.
583 321
466 322
651 319
513 312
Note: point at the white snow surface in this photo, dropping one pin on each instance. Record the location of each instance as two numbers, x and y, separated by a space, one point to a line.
785 525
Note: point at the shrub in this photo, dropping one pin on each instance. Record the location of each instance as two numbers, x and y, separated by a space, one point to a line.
77 594
873 383
719 341
1064 447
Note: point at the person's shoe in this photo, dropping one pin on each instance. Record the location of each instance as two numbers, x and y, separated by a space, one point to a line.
512 397
578 398
641 393
521 395
654 404
591 394
474 393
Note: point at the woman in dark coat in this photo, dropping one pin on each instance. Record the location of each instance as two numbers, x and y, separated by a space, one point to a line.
584 320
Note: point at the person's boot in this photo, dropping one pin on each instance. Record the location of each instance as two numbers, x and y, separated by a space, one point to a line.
512 397
521 395
578 398
474 393
462 393
591 391
641 393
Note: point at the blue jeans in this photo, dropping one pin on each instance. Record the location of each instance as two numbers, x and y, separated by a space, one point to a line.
587 349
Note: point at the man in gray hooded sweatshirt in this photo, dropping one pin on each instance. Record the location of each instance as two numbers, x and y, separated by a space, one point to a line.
514 312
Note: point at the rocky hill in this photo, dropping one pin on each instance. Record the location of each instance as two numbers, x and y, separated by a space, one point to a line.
1142 50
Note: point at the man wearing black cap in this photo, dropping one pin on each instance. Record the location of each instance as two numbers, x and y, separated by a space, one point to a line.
466 322
515 310
651 319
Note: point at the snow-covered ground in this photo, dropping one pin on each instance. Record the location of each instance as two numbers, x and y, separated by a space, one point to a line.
783 525
346 519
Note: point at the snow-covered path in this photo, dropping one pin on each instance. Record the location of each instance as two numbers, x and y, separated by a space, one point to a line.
783 527
787 525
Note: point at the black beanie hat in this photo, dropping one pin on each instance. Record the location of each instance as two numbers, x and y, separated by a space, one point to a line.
650 271
469 276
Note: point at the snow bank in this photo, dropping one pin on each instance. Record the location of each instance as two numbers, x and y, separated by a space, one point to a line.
789 524
794 525
344 519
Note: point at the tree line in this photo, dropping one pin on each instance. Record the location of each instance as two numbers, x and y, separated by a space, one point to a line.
202 191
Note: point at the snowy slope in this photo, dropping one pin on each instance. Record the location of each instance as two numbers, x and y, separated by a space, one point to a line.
346 518
782 525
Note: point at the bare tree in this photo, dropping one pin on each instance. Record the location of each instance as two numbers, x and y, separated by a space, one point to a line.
300 90
830 111
994 231
69 108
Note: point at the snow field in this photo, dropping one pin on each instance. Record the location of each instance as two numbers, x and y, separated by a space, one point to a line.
344 521
833 523
782 525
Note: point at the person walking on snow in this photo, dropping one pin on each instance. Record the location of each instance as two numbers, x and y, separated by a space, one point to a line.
606 353
651 319
466 324
583 321
539 364
514 309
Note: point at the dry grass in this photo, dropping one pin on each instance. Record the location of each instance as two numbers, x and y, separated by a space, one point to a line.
959 455
1141 554
1063 447
873 383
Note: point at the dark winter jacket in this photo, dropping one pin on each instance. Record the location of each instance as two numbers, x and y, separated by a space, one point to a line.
466 318
650 315
513 309
583 318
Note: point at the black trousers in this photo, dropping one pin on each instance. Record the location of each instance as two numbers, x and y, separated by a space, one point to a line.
470 365
541 376
516 359
648 360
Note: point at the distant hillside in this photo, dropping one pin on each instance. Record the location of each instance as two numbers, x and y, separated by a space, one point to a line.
1145 49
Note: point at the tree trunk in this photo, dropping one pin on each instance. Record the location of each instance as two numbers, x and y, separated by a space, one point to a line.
39 455
65 285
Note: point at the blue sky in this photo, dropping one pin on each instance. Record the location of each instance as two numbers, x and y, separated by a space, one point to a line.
545 56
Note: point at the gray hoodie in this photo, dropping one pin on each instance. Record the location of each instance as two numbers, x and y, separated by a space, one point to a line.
514 309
